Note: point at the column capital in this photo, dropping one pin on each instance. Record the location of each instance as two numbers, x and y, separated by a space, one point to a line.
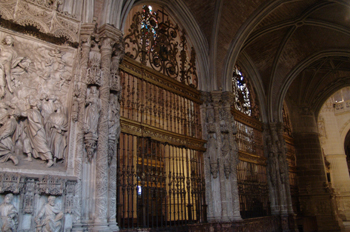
108 31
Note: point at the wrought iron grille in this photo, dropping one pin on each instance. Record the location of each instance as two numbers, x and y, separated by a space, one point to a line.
155 105
159 185
253 190
251 171
160 157
154 40
249 139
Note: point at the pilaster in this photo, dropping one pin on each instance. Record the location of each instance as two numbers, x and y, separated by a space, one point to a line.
221 158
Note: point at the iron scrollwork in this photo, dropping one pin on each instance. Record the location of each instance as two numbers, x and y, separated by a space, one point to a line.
154 40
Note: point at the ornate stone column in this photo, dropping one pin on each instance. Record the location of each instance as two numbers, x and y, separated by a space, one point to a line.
221 158
278 173
108 34
77 117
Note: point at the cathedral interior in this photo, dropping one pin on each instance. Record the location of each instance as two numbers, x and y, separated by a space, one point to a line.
175 115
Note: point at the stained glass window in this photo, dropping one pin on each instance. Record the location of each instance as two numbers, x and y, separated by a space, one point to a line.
241 92
149 26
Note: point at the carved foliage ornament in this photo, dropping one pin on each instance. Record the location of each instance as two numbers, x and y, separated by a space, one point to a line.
45 15
154 40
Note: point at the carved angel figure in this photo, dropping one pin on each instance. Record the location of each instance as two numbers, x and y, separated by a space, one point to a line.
8 60
7 131
9 215
49 218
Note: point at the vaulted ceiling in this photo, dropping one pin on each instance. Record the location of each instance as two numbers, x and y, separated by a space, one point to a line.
297 48
299 45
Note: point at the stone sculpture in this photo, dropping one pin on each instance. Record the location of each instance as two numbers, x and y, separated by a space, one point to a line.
226 154
113 125
36 133
212 151
9 215
56 129
47 106
92 111
92 115
7 149
49 217
7 61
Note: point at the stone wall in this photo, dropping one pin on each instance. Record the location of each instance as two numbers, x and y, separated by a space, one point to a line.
59 118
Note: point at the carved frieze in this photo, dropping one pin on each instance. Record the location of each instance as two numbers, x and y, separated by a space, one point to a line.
46 16
11 183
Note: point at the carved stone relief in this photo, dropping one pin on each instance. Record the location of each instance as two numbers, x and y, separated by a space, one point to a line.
92 115
48 16
9 214
34 85
49 217
222 156
45 199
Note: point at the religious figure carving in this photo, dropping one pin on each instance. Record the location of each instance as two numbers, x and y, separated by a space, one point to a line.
9 215
113 125
92 114
272 160
8 60
36 133
212 151
7 146
49 218
56 128
47 105
92 111
226 153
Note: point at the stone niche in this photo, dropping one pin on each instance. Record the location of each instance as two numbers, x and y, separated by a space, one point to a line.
36 186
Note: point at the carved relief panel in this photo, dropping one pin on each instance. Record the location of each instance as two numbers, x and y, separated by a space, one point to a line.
35 79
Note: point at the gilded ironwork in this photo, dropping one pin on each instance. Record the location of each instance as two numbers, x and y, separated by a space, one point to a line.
154 40
160 175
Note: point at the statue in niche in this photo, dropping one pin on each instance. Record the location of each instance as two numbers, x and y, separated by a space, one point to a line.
282 161
212 151
226 153
7 146
9 215
92 115
113 125
92 111
272 160
49 217
36 133
56 129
